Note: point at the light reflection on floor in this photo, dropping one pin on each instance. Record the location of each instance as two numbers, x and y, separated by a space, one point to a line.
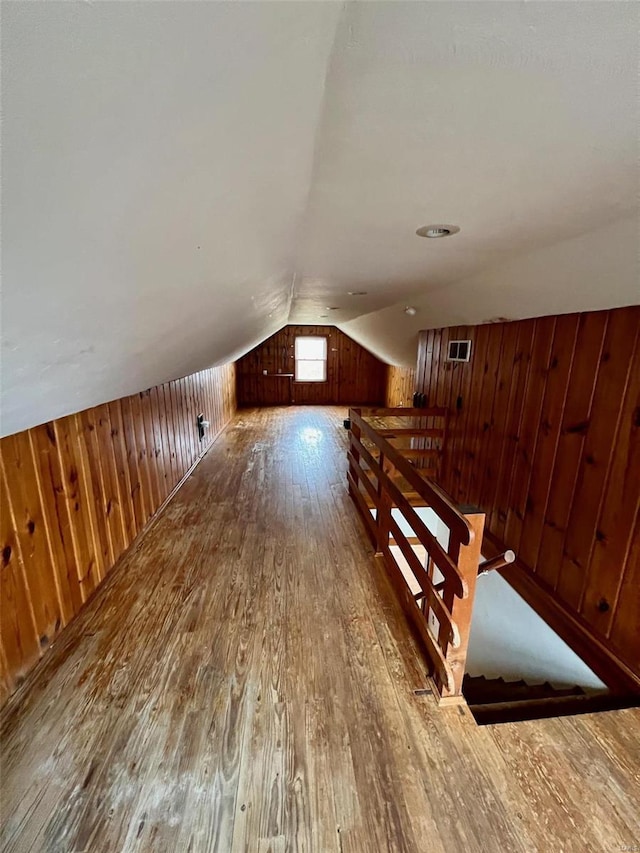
310 436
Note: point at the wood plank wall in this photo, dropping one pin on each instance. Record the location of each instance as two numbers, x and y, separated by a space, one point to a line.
546 440
354 375
75 493
401 384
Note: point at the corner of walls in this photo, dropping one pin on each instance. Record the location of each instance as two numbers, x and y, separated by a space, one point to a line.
76 492
401 384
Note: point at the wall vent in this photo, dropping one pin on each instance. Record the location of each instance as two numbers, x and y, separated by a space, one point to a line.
459 351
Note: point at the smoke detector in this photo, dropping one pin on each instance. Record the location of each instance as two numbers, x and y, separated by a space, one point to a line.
436 231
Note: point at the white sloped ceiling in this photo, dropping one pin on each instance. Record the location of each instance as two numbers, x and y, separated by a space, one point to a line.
182 179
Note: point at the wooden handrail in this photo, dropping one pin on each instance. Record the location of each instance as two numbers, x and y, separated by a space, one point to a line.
404 412
498 562
431 432
361 474
438 659
364 510
433 495
437 552
384 470
428 589
419 451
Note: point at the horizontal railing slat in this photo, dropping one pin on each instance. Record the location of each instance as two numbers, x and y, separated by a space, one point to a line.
440 557
390 432
442 612
363 477
435 550
418 451
395 481
434 497
369 520
402 412
369 458
417 618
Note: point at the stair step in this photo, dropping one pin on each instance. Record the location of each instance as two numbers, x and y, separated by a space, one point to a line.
479 690
558 706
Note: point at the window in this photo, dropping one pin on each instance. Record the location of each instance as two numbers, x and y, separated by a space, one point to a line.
459 351
311 359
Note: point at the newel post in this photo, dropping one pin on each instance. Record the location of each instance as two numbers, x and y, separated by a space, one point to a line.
467 558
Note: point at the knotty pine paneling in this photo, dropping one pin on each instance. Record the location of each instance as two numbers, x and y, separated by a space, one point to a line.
274 672
354 375
401 385
546 441
74 494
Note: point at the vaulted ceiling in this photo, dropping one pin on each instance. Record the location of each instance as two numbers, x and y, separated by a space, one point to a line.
182 179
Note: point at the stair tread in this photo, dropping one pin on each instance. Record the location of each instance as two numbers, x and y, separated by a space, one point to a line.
512 712
538 700
479 690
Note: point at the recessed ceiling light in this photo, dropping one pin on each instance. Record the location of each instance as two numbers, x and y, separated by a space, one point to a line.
410 310
435 231
357 293
323 316
333 307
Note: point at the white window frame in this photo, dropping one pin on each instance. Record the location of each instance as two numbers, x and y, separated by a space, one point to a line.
454 346
299 361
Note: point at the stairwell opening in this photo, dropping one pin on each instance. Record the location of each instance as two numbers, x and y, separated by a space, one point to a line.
510 640
518 668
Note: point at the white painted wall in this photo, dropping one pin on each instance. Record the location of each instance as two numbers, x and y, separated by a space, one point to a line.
508 639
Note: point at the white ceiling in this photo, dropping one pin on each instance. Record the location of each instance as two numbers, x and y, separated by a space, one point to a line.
181 179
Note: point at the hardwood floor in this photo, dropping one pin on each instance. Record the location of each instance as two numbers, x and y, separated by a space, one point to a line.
243 681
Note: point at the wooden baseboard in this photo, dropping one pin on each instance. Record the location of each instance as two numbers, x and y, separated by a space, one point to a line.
152 519
23 686
615 673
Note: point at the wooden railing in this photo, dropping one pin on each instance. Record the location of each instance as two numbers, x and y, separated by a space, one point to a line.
434 574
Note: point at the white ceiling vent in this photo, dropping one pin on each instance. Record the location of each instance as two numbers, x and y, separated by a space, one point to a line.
459 351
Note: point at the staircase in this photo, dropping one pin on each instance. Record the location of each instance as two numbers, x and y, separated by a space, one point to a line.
494 700
431 549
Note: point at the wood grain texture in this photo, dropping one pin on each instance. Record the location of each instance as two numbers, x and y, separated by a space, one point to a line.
354 375
77 491
547 443
243 681
401 384
382 478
